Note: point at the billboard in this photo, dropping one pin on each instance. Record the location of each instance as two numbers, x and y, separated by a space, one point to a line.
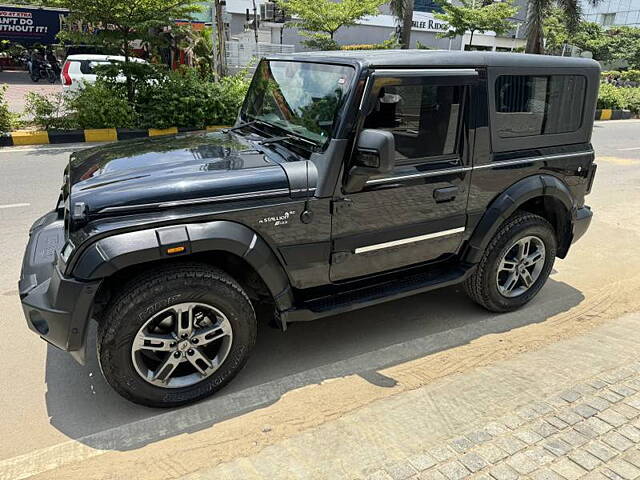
30 25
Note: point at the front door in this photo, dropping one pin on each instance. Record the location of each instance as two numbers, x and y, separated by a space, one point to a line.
417 212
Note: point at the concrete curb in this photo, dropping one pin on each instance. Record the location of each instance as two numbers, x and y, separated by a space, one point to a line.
42 137
610 114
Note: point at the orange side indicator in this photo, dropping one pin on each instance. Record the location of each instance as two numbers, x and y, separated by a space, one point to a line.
175 250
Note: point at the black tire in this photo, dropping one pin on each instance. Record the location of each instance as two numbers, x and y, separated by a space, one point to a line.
153 291
35 76
51 76
482 285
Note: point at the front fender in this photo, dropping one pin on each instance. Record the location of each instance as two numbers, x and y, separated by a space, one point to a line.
108 255
508 202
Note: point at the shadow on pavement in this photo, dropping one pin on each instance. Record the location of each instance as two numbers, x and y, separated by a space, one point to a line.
82 406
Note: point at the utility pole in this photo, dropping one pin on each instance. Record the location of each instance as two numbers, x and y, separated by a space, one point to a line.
255 22
219 39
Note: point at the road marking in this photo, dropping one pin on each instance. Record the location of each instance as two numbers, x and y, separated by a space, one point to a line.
628 149
15 205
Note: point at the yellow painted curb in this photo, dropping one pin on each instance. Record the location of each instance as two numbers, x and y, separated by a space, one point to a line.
606 114
155 132
215 128
100 135
30 137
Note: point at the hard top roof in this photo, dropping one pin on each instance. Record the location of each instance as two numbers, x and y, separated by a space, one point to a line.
439 58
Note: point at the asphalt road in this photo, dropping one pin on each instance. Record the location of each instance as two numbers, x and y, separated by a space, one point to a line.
46 399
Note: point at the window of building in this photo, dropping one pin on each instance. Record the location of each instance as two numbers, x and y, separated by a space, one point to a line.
608 19
423 118
529 105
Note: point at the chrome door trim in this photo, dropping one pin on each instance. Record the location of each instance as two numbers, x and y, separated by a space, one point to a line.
404 241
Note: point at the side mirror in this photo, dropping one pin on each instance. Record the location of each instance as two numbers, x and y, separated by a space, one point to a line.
375 154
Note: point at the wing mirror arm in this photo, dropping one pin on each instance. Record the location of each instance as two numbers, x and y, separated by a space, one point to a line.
374 155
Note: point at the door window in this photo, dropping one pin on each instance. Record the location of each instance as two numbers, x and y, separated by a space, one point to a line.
424 118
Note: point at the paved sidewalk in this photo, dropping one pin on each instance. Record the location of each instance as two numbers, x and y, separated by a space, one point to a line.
20 84
567 411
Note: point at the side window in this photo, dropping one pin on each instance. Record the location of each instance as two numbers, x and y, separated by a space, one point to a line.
529 105
424 118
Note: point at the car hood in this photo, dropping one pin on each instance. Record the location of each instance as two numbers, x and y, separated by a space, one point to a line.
134 175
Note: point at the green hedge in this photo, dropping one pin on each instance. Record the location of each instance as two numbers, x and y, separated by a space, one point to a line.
161 99
631 75
619 98
6 119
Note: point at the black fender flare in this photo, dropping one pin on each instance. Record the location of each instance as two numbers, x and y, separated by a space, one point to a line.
508 202
108 255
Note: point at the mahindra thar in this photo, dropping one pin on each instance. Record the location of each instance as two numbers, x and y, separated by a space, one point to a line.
349 179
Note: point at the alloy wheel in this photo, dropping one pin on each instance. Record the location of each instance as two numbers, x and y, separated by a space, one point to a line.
520 266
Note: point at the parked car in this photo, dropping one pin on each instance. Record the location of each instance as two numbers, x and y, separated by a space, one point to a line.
350 179
80 69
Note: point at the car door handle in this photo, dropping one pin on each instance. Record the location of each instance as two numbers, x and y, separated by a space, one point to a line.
445 194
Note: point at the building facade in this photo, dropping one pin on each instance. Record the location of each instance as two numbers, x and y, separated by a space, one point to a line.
613 12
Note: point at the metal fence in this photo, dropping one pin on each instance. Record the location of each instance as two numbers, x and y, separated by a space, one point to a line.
241 55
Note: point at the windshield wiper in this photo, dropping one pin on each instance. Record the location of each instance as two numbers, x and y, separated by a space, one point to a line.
289 137
250 123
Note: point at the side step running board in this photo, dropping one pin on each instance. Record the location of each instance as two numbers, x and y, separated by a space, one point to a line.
378 293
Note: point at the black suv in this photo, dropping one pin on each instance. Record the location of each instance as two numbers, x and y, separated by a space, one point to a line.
349 179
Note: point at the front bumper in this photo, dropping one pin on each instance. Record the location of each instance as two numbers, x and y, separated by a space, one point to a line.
581 222
56 307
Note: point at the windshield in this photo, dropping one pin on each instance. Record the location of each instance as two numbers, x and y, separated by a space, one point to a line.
302 98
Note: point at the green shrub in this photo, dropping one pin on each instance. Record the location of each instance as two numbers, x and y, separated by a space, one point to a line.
183 99
49 111
610 97
6 117
101 106
631 99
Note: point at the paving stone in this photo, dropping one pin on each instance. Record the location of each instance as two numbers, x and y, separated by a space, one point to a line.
527 413
400 471
521 463
454 470
557 401
622 389
527 436
569 416
585 459
634 401
633 457
441 453
431 475
513 421
557 423
473 462
557 446
598 425
624 469
540 455
612 418
585 410
545 474
510 444
633 383
573 438
584 429
542 407
495 428
567 469
631 432
570 395
598 384
627 410
611 475
585 388
479 436
600 450
611 396
379 475
595 476
598 403
545 429
422 461
617 441
491 453
461 444
503 472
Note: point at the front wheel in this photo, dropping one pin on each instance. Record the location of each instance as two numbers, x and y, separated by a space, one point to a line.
515 264
175 335
51 76
35 76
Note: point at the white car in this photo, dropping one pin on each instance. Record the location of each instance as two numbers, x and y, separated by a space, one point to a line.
80 69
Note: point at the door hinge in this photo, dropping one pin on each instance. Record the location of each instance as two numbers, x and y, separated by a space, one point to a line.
340 204
339 257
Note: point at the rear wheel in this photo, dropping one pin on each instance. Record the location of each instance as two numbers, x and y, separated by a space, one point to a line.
515 264
176 335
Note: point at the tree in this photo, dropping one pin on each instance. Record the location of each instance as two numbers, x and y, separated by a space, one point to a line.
403 11
116 23
476 16
319 20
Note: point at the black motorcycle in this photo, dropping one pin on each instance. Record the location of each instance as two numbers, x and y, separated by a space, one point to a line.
43 70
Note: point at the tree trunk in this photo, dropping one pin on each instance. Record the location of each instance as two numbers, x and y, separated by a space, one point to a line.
535 35
407 23
471 39
127 71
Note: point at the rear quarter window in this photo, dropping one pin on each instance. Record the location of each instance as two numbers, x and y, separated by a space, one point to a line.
529 105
